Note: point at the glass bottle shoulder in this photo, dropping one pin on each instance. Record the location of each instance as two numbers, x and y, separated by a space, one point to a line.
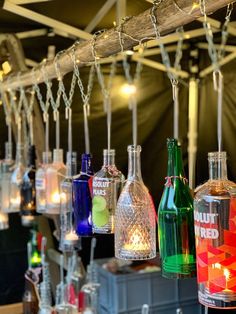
221 188
109 172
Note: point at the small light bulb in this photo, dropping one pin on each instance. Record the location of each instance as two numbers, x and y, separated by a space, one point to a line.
129 52
128 89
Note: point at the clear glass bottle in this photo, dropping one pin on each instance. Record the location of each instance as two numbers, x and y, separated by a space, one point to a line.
215 232
135 217
175 220
55 173
68 237
82 197
107 185
27 191
16 179
41 184
7 168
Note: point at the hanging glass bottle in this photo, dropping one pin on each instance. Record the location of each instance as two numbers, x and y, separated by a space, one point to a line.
135 224
175 220
68 237
107 184
16 179
215 232
82 197
7 168
41 184
35 255
28 200
55 173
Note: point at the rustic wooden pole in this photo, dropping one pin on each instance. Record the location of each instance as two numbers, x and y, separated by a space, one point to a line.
169 17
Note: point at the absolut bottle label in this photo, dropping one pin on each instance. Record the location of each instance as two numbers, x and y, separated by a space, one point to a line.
40 184
215 231
104 202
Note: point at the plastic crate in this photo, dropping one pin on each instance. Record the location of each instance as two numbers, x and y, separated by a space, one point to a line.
126 293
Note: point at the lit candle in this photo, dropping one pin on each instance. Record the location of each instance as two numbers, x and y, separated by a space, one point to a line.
136 242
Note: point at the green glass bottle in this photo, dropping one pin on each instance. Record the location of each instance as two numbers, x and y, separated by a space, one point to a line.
175 220
35 255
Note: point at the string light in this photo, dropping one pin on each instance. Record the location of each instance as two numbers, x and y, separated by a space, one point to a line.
128 89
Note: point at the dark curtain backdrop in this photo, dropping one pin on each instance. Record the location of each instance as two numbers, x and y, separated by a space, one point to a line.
155 125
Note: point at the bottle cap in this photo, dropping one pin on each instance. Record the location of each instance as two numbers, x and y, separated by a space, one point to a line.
47 157
217 155
71 157
27 220
58 155
86 156
134 149
110 152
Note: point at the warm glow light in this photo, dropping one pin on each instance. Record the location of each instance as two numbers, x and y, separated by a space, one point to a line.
226 274
6 67
63 198
15 201
128 89
129 52
71 236
135 242
3 218
56 198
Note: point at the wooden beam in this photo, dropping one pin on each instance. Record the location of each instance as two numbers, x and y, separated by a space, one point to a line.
223 61
22 2
228 48
42 19
160 66
120 10
139 27
99 16
175 37
32 33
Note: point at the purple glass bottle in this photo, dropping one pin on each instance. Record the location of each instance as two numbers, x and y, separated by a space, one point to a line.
82 198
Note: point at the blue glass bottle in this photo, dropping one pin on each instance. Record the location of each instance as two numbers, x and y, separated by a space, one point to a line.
82 198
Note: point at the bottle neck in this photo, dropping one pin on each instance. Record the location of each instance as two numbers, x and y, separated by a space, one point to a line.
108 159
19 154
47 158
86 164
32 157
134 166
218 169
175 162
71 165
8 151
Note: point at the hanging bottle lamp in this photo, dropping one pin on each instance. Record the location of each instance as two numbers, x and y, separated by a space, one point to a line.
28 192
57 170
107 182
82 184
17 175
135 216
7 168
40 177
68 238
175 220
